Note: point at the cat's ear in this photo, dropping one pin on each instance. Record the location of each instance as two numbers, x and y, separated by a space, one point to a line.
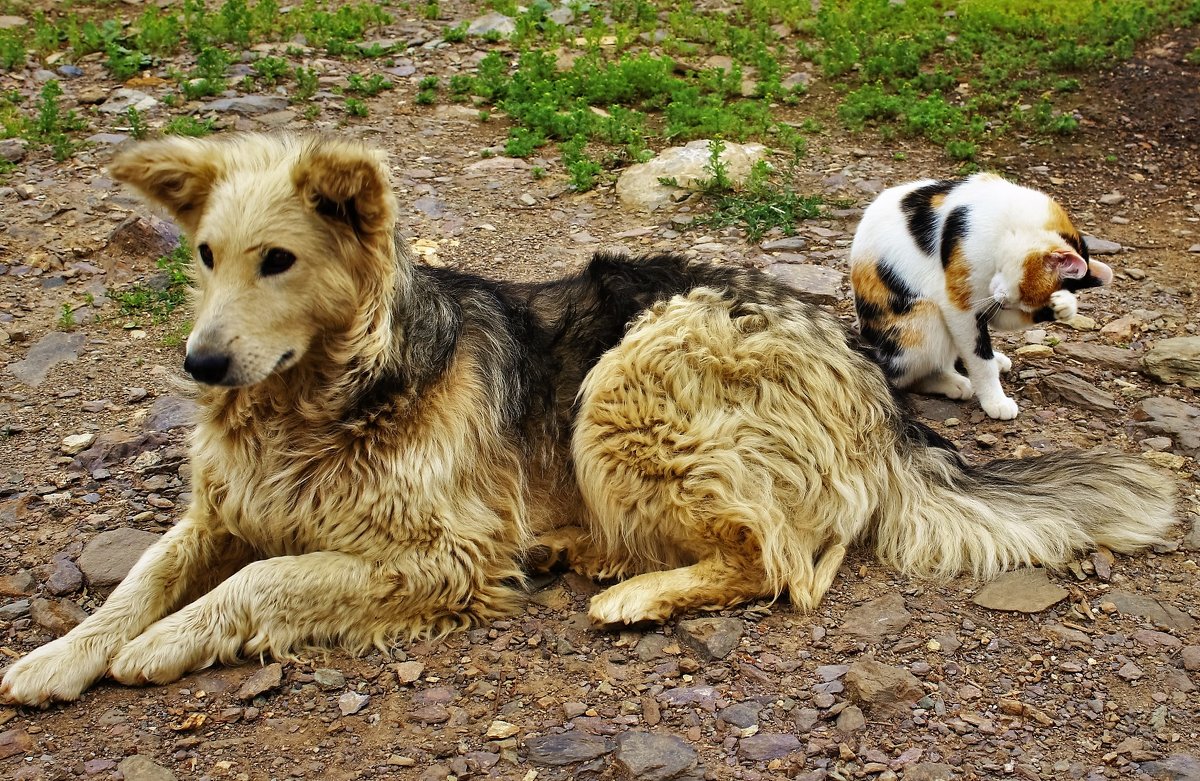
1069 264
1100 271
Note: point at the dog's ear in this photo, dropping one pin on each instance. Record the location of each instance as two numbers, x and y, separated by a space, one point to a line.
348 184
176 173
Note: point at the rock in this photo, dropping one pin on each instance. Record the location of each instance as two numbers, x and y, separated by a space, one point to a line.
877 619
65 578
1173 418
329 679
1177 767
140 768
75 443
115 446
1101 355
12 150
261 681
14 610
107 559
1174 361
712 638
499 730
1191 658
491 165
495 22
52 349
851 720
1073 389
57 616
1035 351
649 757
121 100
639 186
409 672
929 771
351 703
1097 246
1160 613
566 748
789 244
1130 671
1082 323
742 715
171 412
1192 540
18 584
249 105
1026 590
881 689
14 742
144 237
819 284
11 22
1121 329
1112 199
766 746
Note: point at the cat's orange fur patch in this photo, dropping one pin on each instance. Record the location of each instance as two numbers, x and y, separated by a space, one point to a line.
958 280
915 324
1060 222
868 287
1038 280
937 201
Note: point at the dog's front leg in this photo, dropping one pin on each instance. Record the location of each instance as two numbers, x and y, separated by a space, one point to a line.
179 565
270 607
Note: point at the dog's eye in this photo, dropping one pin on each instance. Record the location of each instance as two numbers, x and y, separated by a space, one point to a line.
206 256
277 261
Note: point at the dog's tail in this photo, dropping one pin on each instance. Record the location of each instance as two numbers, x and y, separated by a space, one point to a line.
941 517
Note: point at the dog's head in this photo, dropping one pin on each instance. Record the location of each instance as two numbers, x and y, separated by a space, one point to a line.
292 236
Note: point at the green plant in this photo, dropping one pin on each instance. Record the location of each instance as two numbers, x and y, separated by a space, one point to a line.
306 83
370 87
66 318
431 10
271 70
427 90
767 202
188 126
12 49
157 301
456 34
51 126
208 78
356 107
137 124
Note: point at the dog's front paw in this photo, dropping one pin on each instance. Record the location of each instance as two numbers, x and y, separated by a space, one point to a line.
1002 408
164 653
1064 305
627 603
57 672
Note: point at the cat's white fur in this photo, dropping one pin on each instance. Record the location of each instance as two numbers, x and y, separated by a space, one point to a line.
1007 223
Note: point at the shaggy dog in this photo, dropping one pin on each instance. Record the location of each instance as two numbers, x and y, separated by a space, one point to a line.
381 443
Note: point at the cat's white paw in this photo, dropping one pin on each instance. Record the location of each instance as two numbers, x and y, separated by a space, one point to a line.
1002 408
1003 362
950 384
1064 305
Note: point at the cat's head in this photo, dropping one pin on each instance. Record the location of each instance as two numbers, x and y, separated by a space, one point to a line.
1053 257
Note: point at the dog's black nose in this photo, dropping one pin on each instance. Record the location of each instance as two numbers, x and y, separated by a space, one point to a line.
209 368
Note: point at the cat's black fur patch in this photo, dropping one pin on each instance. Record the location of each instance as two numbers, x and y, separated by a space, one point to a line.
901 297
922 217
1043 315
983 339
953 231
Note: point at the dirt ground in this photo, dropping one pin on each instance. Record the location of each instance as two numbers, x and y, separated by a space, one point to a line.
1099 685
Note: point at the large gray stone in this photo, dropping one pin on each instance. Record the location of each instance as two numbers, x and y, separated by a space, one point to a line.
639 187
171 412
107 559
121 100
52 349
877 619
1161 613
249 105
1022 591
141 768
1101 246
567 748
766 746
1073 389
1177 767
649 757
819 284
1173 418
1175 361
495 22
881 689
712 638
1101 355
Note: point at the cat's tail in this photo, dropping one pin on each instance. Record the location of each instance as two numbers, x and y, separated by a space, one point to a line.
941 517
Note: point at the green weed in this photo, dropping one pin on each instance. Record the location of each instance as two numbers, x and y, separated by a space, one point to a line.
137 123
306 83
66 318
189 126
356 107
766 202
271 70
369 87
156 301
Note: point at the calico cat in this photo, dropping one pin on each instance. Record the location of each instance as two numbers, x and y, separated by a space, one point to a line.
935 264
